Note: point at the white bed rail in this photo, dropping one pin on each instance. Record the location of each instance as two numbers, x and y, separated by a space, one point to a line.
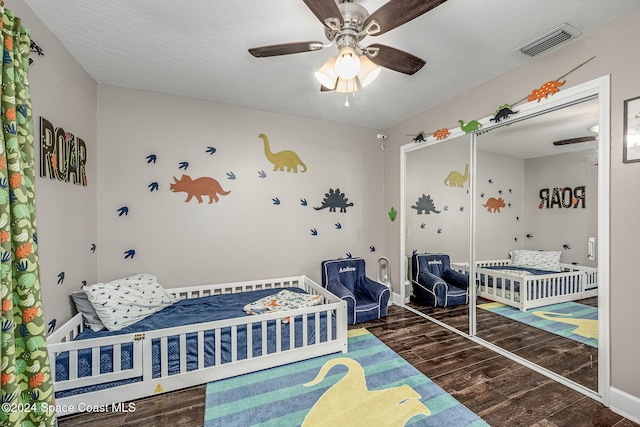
299 346
531 291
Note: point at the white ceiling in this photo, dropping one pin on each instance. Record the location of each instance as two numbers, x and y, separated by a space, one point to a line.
198 49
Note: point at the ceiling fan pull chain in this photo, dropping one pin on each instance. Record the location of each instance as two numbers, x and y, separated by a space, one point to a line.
346 101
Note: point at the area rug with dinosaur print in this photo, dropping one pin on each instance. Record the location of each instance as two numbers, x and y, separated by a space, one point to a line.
571 320
370 385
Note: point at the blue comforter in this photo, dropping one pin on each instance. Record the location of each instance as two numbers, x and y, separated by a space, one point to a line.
187 312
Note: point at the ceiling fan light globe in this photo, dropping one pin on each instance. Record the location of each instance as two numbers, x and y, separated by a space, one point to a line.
326 75
368 71
348 63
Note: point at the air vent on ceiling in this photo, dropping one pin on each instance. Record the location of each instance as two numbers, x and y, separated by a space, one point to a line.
550 40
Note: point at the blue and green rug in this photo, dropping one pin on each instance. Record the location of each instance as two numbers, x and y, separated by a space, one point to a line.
571 320
370 385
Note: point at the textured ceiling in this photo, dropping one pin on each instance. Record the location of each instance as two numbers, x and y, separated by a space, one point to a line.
198 49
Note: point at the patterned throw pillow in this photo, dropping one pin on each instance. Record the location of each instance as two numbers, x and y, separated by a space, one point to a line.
123 302
540 260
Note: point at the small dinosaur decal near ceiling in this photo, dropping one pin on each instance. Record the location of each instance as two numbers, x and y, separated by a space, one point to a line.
334 199
456 179
425 204
441 133
282 159
503 112
472 126
549 88
203 186
420 137
493 205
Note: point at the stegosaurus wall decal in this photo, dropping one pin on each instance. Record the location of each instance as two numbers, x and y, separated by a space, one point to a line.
334 199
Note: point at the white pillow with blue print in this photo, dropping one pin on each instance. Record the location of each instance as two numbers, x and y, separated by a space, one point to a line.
125 301
540 260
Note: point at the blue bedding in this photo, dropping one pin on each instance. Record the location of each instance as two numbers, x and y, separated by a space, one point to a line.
187 312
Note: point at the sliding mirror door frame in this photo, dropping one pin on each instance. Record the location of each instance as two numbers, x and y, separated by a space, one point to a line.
599 88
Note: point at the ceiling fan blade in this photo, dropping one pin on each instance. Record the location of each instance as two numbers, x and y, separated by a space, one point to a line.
285 49
395 59
575 140
397 12
326 11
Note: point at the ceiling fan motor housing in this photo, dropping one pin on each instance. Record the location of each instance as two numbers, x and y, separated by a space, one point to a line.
351 32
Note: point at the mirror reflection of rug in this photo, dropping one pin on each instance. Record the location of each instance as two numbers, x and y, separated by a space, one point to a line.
571 320
368 386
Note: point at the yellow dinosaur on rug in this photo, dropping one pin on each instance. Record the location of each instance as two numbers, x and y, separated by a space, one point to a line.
348 402
587 328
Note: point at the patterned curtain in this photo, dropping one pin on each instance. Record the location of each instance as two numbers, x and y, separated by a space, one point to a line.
27 390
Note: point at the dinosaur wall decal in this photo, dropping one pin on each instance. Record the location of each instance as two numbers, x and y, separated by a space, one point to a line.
456 179
334 199
425 204
361 406
282 159
198 187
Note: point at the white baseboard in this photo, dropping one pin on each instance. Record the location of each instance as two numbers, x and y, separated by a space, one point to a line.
624 404
397 298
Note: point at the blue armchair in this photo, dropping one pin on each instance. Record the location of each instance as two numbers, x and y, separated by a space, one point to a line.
435 283
346 278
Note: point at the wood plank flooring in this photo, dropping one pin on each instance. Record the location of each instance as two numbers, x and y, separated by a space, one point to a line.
501 391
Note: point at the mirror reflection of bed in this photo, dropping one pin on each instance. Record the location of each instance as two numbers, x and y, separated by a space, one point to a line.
550 213
530 196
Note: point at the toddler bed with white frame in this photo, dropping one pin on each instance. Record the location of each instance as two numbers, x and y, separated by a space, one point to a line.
525 288
119 368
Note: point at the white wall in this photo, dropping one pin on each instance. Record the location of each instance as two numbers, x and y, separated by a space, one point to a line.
244 235
614 48
63 93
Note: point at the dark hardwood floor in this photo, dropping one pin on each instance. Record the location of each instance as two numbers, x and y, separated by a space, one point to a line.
566 357
501 391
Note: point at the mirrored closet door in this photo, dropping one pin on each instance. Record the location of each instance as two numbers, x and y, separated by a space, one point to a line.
529 224
536 213
437 220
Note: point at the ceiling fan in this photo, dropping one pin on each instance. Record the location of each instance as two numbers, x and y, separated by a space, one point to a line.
575 140
347 24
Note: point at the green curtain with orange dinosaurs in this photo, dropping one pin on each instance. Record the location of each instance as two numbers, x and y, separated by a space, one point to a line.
27 390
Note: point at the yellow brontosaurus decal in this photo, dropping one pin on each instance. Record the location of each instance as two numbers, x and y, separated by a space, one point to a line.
456 179
358 405
587 328
282 159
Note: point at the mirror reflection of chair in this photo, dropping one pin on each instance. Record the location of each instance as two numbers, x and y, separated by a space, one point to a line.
434 282
366 299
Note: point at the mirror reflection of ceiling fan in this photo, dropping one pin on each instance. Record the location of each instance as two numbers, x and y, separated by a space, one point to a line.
575 140
347 24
